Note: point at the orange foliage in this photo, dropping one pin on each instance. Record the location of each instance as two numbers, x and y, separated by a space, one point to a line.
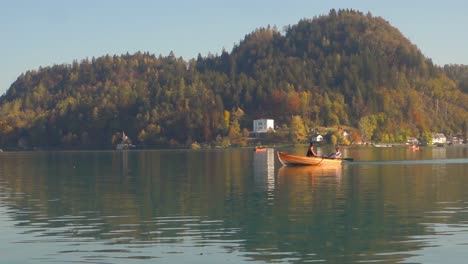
293 102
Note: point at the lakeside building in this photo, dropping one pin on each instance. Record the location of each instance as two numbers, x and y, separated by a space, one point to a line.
438 138
316 138
263 125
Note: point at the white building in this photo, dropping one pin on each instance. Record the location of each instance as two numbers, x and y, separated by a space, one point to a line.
438 138
263 125
345 134
412 141
316 138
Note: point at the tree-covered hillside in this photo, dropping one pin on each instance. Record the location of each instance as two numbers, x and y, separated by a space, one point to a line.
342 69
458 73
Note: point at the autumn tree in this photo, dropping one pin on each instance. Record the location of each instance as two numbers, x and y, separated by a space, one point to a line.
367 125
297 131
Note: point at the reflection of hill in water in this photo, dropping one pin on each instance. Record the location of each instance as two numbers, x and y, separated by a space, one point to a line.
150 204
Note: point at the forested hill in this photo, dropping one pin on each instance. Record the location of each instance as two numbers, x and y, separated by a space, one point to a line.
342 69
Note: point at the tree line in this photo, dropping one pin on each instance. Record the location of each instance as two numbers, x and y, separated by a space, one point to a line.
342 69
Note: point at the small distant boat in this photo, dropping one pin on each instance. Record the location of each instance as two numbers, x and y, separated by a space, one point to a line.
125 144
288 159
382 145
259 149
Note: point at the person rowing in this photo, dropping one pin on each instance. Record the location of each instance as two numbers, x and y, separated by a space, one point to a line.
336 154
311 151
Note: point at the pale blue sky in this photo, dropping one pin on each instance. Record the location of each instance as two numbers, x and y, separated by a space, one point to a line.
43 33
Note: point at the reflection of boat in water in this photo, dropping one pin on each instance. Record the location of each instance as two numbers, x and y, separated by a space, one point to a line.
288 159
308 170
305 186
291 171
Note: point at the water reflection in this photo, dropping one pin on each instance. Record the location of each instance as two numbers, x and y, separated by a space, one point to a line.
447 234
229 206
292 171
264 169
439 152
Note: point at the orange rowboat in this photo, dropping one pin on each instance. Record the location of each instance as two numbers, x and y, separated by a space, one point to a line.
288 159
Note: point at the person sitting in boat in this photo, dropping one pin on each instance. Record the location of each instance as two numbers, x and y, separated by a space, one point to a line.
311 151
336 154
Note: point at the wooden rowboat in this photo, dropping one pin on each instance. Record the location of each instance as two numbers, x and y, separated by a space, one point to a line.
288 159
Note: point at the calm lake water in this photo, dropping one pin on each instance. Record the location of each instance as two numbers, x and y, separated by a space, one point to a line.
392 205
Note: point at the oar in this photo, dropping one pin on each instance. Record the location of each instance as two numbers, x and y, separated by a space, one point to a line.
325 157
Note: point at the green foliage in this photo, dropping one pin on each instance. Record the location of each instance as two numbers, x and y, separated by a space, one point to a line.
297 131
346 68
367 125
458 73
427 137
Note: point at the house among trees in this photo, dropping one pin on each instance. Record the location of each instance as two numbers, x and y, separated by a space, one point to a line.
412 141
385 91
438 138
316 138
263 125
345 134
455 139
